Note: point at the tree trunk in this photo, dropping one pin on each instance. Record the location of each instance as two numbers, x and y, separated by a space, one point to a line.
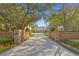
64 17
22 35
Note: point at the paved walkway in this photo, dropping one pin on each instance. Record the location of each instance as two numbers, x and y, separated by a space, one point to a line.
38 45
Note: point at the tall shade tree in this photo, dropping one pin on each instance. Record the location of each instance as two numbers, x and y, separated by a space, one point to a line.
16 17
19 16
67 16
68 12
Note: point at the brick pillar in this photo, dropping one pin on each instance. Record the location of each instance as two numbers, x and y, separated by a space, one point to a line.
17 37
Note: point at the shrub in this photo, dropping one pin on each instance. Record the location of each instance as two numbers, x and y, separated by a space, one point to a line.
52 29
72 42
6 39
27 29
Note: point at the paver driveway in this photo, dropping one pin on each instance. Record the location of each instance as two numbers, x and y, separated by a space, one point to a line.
38 45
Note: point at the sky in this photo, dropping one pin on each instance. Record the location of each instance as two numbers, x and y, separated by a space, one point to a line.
41 22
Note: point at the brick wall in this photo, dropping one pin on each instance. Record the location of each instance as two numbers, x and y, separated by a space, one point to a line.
72 35
16 36
54 35
2 34
64 35
11 34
